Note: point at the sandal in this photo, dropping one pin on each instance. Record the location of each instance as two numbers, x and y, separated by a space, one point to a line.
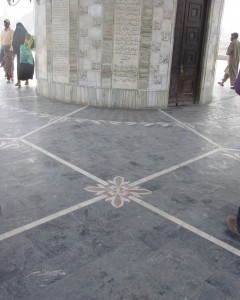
26 82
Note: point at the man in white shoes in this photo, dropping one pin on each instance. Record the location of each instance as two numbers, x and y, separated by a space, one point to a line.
6 39
233 53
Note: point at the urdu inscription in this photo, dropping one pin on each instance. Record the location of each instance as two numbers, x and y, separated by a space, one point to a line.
60 42
126 44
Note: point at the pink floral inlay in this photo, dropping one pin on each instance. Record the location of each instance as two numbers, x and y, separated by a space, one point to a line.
118 191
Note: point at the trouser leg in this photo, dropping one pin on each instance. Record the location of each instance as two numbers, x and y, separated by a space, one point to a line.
225 77
233 80
1 55
238 218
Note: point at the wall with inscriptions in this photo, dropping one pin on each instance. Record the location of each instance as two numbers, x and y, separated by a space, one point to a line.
60 40
90 43
114 53
162 43
126 44
41 49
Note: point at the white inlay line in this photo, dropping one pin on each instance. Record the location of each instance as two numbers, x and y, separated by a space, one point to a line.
234 150
54 216
64 162
185 225
232 155
201 135
173 168
53 122
18 98
191 129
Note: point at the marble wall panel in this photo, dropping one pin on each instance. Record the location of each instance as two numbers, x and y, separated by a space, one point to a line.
60 40
48 41
73 42
108 19
127 26
90 36
145 44
162 43
41 46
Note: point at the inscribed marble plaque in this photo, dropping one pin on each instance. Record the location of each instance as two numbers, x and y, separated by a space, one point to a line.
90 43
126 44
60 40
41 49
162 32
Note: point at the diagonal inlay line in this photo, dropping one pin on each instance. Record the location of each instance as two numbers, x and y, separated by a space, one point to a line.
64 162
185 225
53 122
191 129
230 149
173 168
227 153
201 135
59 214
19 98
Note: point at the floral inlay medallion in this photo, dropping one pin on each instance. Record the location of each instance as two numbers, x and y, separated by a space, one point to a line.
118 191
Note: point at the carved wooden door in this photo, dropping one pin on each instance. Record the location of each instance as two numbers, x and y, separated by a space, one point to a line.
187 51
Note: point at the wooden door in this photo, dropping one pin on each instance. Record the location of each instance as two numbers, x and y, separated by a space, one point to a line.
187 51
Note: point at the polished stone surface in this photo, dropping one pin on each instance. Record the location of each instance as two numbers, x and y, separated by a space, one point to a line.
63 176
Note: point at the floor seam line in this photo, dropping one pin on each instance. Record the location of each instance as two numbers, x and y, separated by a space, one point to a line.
64 162
175 167
18 98
187 226
232 149
53 122
49 218
231 155
223 99
191 129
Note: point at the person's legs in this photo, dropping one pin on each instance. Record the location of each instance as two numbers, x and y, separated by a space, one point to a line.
233 223
18 70
225 78
233 73
1 56
238 219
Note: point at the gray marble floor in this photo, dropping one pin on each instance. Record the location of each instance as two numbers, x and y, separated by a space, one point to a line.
101 204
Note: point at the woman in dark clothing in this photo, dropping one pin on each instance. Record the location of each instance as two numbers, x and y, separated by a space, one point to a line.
24 70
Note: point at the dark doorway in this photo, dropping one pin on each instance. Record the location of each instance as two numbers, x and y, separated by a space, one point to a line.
187 51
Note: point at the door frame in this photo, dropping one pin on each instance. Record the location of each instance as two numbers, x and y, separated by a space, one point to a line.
209 51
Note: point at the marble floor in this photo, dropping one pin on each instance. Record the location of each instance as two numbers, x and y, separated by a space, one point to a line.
118 204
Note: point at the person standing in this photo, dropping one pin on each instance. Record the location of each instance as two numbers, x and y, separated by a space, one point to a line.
26 66
6 39
18 40
8 64
233 53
